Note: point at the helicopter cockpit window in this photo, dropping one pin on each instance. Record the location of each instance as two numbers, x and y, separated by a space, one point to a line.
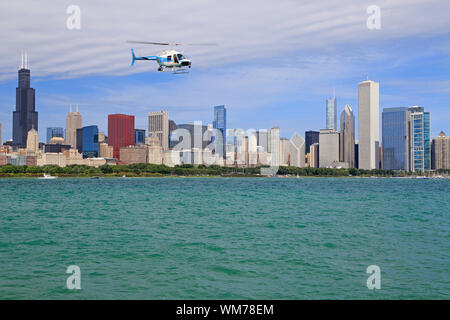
169 58
180 56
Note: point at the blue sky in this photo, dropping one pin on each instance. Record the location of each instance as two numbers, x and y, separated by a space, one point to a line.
275 64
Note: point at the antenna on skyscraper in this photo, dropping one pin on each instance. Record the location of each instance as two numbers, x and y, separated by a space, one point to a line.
70 108
77 107
21 66
26 60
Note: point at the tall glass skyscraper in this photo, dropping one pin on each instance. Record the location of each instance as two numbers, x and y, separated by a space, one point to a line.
395 137
419 135
25 117
139 136
90 142
220 132
332 114
54 132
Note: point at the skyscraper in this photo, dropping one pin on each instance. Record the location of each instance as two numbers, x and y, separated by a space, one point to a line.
395 138
139 137
347 137
274 145
329 147
368 124
73 122
297 151
440 152
419 139
220 132
120 132
32 141
311 137
158 123
25 117
332 114
54 132
90 148
261 139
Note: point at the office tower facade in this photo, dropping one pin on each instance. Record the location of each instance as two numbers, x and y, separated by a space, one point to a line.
284 151
32 141
368 124
79 140
262 139
329 148
158 123
297 151
25 117
331 114
105 151
139 137
419 139
314 155
440 152
90 148
155 151
73 122
220 130
395 138
54 132
347 137
311 137
120 132
274 145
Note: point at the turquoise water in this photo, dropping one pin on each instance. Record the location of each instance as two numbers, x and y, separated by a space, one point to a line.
225 238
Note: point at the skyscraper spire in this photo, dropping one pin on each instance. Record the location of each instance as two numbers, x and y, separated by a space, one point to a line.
70 108
26 60
77 107
21 66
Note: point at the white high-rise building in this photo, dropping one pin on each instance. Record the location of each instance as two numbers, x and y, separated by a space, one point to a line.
158 123
274 145
328 148
297 151
368 124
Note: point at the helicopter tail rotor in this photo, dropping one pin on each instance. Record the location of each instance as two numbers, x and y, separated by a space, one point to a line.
133 56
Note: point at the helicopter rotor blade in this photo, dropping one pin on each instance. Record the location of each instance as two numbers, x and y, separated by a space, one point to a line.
172 44
155 43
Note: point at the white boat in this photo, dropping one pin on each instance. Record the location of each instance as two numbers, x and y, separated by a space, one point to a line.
47 176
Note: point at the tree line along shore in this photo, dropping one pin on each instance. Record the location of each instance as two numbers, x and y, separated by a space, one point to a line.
153 170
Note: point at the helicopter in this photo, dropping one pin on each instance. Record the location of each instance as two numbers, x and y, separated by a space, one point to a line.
169 60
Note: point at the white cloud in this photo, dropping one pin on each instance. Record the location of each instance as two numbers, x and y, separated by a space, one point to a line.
246 31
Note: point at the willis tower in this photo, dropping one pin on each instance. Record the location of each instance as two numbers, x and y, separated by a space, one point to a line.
24 118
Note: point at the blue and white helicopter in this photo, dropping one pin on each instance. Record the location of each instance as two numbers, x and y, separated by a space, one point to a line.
169 60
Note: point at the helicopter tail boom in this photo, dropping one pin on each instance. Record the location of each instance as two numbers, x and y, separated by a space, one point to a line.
134 58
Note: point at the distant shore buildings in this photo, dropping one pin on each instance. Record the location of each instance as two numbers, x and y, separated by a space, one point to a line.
405 145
